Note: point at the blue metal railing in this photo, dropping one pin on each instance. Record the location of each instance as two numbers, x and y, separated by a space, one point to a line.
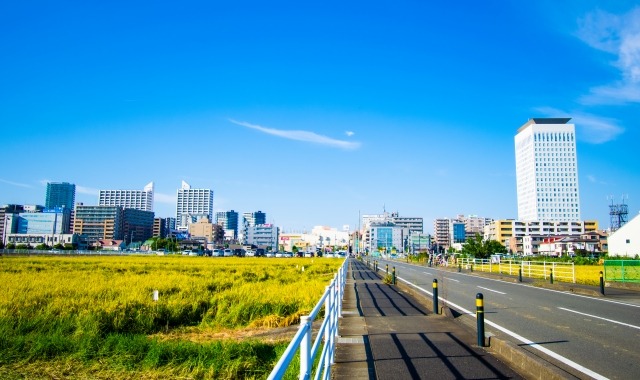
332 302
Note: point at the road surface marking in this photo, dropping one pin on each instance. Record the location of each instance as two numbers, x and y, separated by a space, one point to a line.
491 290
522 339
451 279
604 319
545 289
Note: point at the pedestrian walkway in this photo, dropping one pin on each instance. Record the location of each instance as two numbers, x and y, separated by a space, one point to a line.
388 334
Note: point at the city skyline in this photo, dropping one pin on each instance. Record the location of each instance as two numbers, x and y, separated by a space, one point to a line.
315 113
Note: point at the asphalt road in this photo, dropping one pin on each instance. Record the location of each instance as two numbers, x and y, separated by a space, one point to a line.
589 337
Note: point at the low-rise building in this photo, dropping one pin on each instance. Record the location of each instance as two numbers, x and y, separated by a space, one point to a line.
525 237
34 239
625 241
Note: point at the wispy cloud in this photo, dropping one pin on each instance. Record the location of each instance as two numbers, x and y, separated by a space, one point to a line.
349 133
593 179
590 128
87 190
16 183
165 198
305 136
618 35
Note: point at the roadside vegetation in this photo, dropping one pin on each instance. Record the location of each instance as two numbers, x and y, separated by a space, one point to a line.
95 317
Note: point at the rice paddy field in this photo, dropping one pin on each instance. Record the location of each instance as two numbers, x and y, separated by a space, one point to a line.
95 317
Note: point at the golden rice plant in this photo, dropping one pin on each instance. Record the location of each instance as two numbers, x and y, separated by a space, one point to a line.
96 309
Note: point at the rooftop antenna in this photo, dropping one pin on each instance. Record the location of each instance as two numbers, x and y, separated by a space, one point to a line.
618 213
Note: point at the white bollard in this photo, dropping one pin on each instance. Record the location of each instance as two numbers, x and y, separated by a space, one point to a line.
155 295
303 268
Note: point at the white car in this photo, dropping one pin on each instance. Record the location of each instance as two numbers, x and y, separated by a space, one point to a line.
250 253
279 254
217 253
228 252
270 254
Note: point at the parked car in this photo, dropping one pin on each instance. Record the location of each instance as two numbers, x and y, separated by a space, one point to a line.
270 254
308 254
217 253
260 252
250 253
228 253
239 252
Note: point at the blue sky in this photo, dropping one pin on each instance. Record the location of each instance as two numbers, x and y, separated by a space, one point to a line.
314 112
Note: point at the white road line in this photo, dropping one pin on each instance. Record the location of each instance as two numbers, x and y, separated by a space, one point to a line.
451 279
522 339
491 290
604 319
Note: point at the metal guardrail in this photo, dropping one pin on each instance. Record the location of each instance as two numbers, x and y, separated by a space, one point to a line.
332 302
622 270
534 269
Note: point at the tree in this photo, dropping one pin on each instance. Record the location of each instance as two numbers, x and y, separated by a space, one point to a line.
482 249
11 246
42 247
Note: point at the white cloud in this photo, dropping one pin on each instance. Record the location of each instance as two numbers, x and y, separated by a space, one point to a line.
87 190
16 183
618 35
590 128
301 136
165 198
349 133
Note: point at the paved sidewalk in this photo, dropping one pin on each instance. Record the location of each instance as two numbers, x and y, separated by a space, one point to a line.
387 334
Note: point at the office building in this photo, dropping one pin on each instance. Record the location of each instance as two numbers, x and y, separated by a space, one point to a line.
137 225
60 194
49 221
192 205
99 223
228 220
413 224
386 237
263 235
250 219
547 170
203 228
135 199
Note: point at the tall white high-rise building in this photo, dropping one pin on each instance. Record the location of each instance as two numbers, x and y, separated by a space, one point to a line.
135 199
192 205
547 171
